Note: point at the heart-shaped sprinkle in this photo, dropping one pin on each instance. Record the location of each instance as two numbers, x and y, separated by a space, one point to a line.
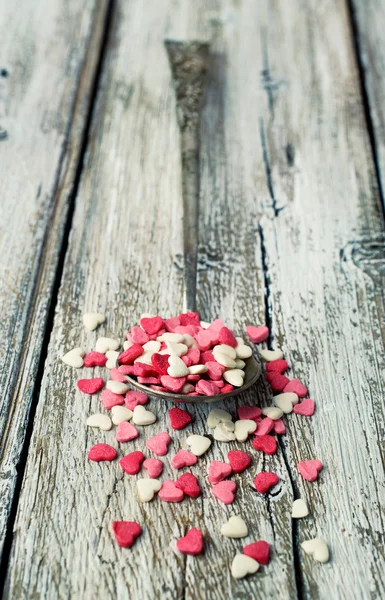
238 460
188 483
225 491
116 375
259 551
266 443
142 416
286 401
204 340
223 359
243 428
126 369
126 432
177 338
206 357
170 493
218 471
133 399
120 414
277 365
173 384
235 528
189 318
234 376
138 336
109 399
74 358
151 325
207 388
242 351
143 360
249 412
306 408
227 337
101 452
279 427
183 458
112 359
317 548
100 421
264 481
191 543
269 355
153 466
117 387
223 433
132 353
143 370
160 363
126 532
273 412
175 349
257 334
243 565
179 418
92 320
265 426
216 416
171 323
299 509
177 367
131 462
193 355
90 386
95 359
159 443
295 386
309 469
199 444
214 370
197 369
147 489
152 346
277 381
104 344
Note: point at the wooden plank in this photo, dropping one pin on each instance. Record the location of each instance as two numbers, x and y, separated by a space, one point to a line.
368 26
325 263
48 62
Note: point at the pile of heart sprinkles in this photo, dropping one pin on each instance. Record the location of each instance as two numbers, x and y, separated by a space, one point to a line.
185 355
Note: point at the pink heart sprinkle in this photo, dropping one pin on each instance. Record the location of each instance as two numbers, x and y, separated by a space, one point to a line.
309 469
173 384
159 443
170 493
207 388
218 471
203 339
265 426
126 432
109 399
257 334
116 375
297 387
138 336
225 491
153 466
133 399
183 458
279 427
305 408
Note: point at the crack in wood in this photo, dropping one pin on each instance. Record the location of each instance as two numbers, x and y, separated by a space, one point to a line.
189 62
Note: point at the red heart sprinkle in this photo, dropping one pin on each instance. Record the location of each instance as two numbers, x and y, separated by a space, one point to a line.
151 324
218 471
90 386
179 418
138 336
280 366
126 532
170 493
183 458
305 408
173 384
102 452
109 399
188 483
128 356
190 318
95 359
154 467
266 443
225 491
131 462
227 337
215 370
160 363
279 427
264 481
206 357
227 388
294 385
309 469
277 381
159 443
191 543
144 370
132 399
249 412
260 551
171 323
257 334
265 426
126 432
238 460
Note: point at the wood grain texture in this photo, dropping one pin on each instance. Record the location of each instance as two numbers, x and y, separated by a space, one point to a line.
48 61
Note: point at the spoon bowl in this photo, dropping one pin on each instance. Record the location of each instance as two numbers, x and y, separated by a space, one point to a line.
252 373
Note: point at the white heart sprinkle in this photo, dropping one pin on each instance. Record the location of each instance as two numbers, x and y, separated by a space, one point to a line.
120 414
92 320
151 346
189 341
147 488
286 401
205 325
103 422
242 350
243 565
145 358
316 548
221 434
225 349
112 359
197 369
234 376
224 359
299 509
176 349
199 444
216 416
235 528
243 428
228 425
142 416
239 364
103 344
117 387
269 355
273 412
177 367
74 358
127 344
177 338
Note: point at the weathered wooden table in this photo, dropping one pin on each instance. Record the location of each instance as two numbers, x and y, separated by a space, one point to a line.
290 232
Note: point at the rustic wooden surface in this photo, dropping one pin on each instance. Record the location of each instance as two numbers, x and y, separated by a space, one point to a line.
290 231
